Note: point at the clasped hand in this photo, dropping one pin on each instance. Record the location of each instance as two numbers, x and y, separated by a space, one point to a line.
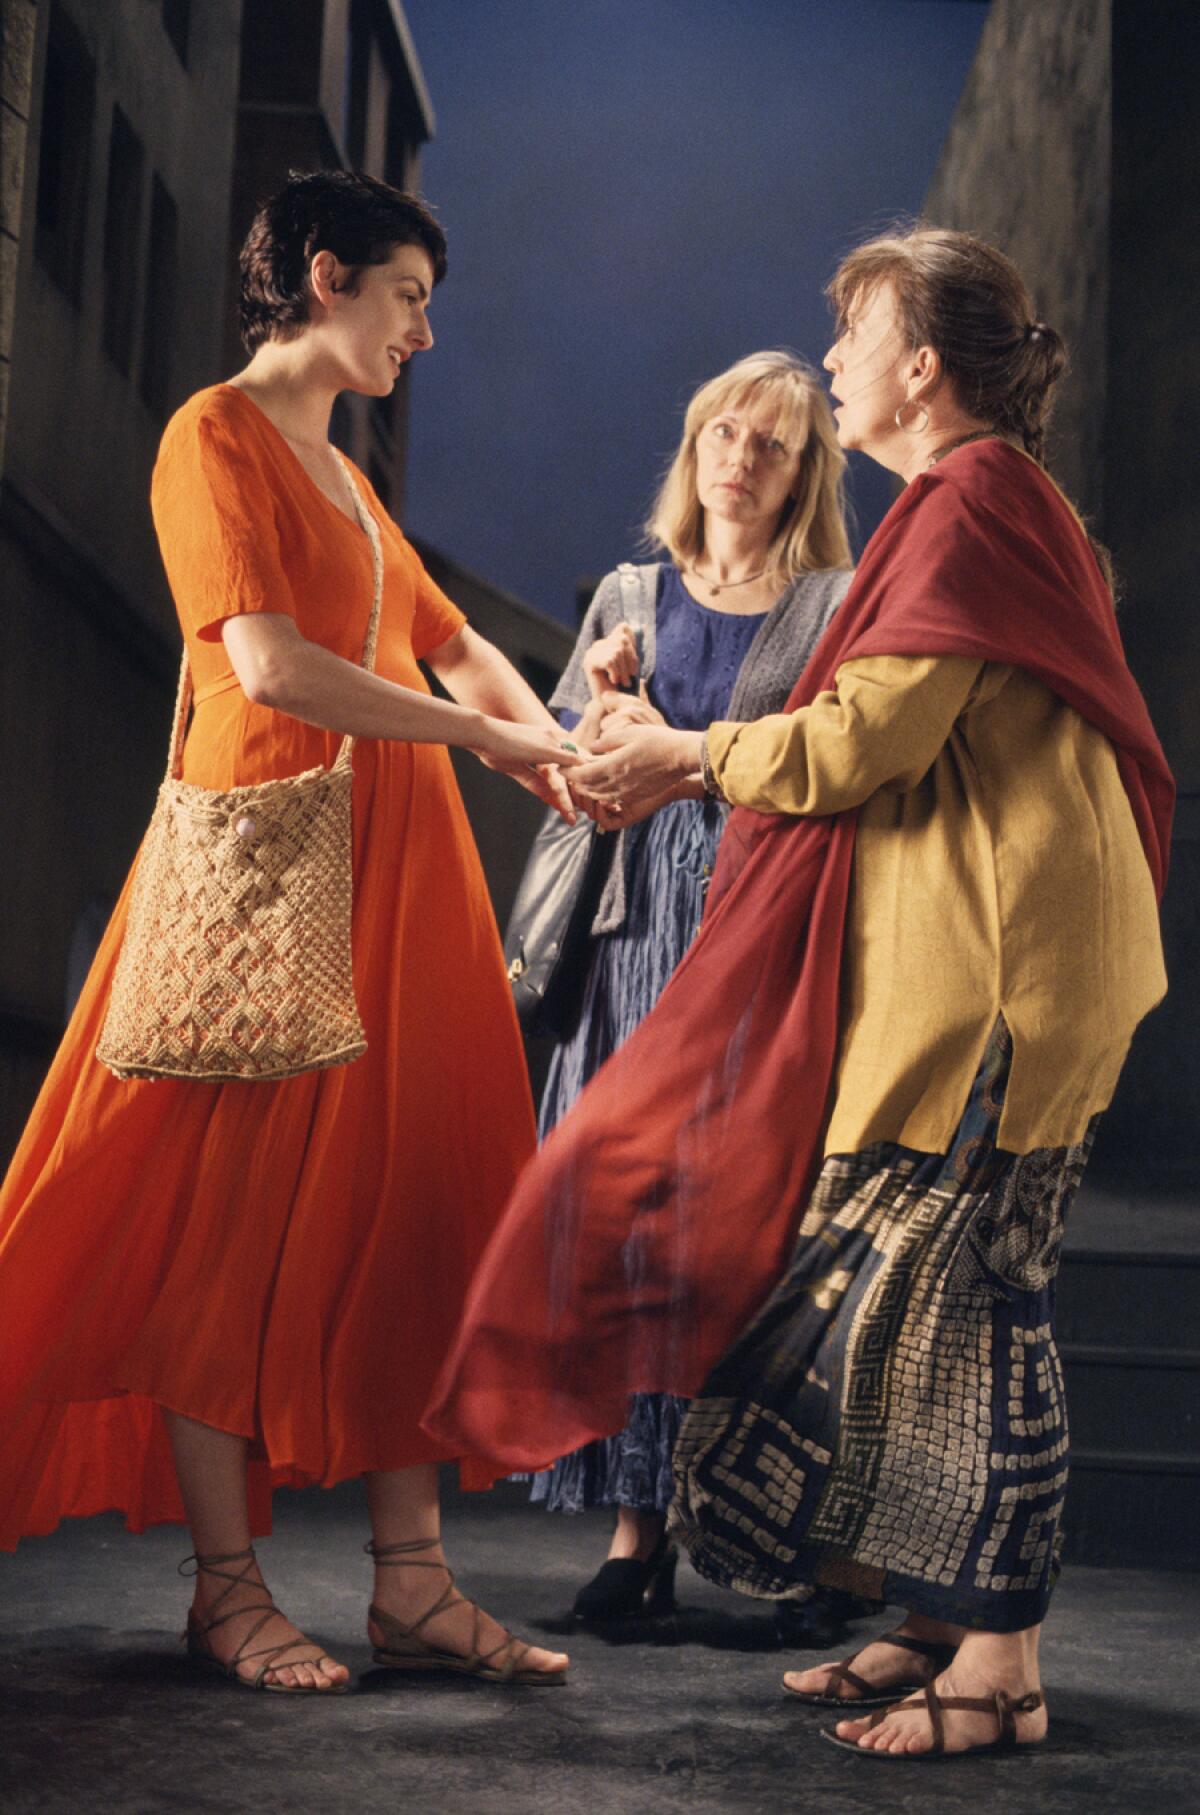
635 762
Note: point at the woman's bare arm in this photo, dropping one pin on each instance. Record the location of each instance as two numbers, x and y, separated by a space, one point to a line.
476 674
278 667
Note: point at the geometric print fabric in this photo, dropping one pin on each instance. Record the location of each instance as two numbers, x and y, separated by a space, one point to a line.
893 1421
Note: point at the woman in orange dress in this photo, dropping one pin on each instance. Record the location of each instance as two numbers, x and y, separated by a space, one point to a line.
209 1290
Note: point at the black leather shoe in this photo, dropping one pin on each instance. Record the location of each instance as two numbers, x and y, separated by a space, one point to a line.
624 1589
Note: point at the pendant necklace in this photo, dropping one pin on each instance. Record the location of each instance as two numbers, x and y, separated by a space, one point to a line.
716 588
963 441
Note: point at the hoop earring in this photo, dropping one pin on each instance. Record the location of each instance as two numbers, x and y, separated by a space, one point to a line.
909 428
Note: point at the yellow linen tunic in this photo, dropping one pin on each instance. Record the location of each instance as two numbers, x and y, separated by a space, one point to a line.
997 870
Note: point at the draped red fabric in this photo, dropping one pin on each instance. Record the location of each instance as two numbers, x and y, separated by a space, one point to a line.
661 1210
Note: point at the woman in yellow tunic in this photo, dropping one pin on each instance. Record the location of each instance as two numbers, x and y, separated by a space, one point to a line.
867 1095
266 1276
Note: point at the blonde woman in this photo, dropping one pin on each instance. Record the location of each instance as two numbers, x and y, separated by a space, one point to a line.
749 520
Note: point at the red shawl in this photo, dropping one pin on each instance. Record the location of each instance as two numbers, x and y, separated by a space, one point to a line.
660 1212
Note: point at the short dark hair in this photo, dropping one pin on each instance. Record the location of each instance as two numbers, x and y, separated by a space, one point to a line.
356 217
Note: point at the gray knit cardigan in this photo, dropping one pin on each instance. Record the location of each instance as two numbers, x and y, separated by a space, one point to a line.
773 664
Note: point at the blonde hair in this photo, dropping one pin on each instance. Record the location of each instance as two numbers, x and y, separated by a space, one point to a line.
811 533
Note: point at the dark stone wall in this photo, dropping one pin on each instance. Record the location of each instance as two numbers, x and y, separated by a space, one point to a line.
1152 513
1152 424
1074 149
88 644
1025 164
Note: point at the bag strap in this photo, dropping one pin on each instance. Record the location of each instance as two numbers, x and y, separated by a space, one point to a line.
183 693
639 589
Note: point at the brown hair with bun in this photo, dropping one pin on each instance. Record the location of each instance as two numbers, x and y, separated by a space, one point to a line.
967 301
963 298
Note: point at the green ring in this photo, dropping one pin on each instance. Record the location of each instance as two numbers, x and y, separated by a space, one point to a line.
573 748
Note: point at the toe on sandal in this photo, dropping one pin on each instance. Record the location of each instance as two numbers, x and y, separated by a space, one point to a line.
873 1695
405 1649
268 1657
1000 1704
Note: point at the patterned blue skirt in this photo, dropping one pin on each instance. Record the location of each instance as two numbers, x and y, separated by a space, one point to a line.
669 859
893 1421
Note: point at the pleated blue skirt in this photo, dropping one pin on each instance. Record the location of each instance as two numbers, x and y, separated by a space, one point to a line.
668 861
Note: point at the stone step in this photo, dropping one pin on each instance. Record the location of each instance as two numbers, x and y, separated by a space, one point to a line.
1133 1400
1127 1300
1130 1274
1138 1510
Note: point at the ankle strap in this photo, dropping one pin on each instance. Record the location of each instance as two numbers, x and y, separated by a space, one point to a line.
208 1564
930 1648
395 1553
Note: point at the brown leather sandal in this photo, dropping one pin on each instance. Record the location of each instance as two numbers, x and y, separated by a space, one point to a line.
406 1650
874 1695
272 1657
1001 1705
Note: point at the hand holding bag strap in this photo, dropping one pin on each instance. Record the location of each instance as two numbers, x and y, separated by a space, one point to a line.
566 873
639 599
183 693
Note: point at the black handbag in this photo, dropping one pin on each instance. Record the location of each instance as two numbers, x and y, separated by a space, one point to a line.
546 944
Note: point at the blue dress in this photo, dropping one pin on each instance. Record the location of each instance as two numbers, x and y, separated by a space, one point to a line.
669 860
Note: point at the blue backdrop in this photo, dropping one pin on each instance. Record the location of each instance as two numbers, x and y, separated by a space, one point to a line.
638 192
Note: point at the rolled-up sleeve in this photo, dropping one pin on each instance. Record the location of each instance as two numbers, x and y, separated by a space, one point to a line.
881 726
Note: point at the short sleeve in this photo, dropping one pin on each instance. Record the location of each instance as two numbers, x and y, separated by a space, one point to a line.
217 523
436 618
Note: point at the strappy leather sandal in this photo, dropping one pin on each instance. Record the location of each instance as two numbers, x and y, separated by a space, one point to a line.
271 1657
873 1695
1001 1705
405 1649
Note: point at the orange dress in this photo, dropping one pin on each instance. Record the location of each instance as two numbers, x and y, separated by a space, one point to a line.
286 1261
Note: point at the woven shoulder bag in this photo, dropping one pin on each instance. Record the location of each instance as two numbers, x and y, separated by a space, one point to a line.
236 958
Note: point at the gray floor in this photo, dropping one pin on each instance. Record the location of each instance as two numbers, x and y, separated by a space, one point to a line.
99 1711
